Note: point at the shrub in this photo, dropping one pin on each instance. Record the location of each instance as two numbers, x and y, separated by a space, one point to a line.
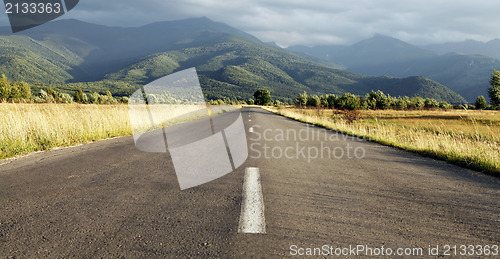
352 115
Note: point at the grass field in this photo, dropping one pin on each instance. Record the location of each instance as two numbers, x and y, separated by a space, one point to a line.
468 138
26 128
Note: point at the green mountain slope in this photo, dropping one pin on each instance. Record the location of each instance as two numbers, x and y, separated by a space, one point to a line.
236 67
22 58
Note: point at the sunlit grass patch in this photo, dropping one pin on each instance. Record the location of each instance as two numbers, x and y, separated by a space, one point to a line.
25 128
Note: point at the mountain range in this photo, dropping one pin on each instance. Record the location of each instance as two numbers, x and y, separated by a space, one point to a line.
468 47
463 67
72 54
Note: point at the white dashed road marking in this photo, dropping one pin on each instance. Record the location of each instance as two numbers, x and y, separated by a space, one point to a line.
252 219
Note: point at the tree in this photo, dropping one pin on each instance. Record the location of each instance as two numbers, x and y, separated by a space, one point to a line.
262 97
494 90
430 103
444 105
417 102
15 93
79 96
24 90
481 103
324 101
53 96
95 98
65 98
313 101
332 100
301 99
4 88
378 100
349 102
401 103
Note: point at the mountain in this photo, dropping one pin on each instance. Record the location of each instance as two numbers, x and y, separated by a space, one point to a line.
240 67
378 50
468 75
230 62
111 47
468 47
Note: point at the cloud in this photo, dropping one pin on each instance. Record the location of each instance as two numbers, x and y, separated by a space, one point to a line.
313 22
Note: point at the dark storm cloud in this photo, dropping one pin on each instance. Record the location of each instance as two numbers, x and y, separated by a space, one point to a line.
314 22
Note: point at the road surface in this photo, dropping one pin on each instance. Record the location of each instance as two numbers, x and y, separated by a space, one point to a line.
108 199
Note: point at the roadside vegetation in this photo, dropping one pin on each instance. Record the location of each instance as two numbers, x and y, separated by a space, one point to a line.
31 127
465 135
48 119
26 128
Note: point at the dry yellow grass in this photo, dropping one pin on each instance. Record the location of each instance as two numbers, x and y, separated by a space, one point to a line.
467 138
25 128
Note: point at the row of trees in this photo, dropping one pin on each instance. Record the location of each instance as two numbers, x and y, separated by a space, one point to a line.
21 92
14 91
373 100
51 96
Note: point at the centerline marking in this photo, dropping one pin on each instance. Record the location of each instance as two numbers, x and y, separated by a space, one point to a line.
252 219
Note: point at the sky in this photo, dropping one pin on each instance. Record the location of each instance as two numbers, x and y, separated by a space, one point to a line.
312 22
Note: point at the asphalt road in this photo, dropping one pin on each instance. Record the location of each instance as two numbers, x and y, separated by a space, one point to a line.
110 200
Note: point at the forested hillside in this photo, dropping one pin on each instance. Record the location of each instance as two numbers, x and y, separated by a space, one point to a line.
231 64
